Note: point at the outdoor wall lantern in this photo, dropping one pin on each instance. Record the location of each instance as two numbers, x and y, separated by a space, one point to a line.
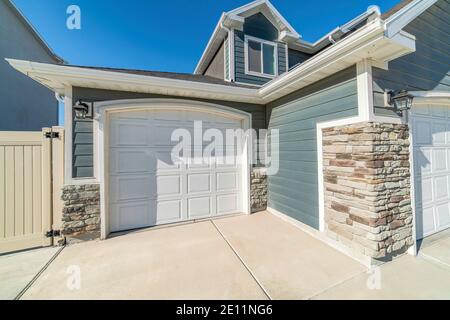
401 100
82 110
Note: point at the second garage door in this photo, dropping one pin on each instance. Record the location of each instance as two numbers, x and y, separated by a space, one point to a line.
146 188
431 131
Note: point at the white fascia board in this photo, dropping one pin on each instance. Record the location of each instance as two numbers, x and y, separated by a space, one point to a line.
74 76
403 17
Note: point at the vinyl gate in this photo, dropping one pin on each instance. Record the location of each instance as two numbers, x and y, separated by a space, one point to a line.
31 177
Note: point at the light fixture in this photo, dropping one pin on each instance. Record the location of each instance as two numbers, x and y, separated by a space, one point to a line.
401 100
81 110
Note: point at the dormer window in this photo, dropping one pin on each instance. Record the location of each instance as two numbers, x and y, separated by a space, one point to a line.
260 57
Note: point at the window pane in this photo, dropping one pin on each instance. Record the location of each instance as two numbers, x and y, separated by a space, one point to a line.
254 56
269 59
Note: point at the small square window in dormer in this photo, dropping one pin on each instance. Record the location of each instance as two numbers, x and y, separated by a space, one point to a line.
260 57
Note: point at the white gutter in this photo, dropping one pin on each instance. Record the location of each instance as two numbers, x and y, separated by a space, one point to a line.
313 47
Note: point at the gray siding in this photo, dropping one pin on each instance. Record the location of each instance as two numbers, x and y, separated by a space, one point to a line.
426 69
25 105
297 57
83 130
294 190
216 68
282 61
260 27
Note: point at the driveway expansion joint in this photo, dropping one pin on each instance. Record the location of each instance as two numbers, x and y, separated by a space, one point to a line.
242 261
32 281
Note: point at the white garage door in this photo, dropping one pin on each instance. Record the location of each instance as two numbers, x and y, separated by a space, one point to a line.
431 128
146 188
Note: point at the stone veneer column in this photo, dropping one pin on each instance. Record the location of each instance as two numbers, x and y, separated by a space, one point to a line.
258 190
81 211
367 188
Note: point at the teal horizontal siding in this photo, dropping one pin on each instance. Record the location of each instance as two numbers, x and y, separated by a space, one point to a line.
427 69
294 189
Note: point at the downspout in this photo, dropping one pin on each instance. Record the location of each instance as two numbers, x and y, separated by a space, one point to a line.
231 50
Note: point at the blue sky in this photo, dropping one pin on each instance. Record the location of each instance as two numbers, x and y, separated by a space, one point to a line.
165 35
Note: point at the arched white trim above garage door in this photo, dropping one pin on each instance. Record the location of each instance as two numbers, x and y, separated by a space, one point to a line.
103 111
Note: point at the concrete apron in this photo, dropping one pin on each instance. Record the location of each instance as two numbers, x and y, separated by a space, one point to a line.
244 257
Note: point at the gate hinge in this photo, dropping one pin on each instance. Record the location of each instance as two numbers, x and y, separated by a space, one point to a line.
53 233
51 135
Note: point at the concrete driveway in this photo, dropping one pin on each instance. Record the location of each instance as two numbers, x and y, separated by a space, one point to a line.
242 257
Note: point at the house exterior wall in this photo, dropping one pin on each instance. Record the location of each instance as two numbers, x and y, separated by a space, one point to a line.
37 108
297 57
426 69
216 68
260 27
294 189
82 134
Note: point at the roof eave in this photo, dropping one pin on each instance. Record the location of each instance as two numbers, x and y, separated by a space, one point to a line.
59 77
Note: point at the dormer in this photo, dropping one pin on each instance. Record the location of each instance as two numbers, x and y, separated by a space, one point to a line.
250 45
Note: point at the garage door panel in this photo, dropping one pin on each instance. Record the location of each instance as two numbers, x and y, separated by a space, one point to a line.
129 134
227 181
127 216
169 211
131 161
227 203
198 183
164 161
126 188
443 216
423 132
428 225
440 188
439 160
167 185
199 207
439 133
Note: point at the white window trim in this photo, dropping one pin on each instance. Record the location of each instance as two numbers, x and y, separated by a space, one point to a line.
262 41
